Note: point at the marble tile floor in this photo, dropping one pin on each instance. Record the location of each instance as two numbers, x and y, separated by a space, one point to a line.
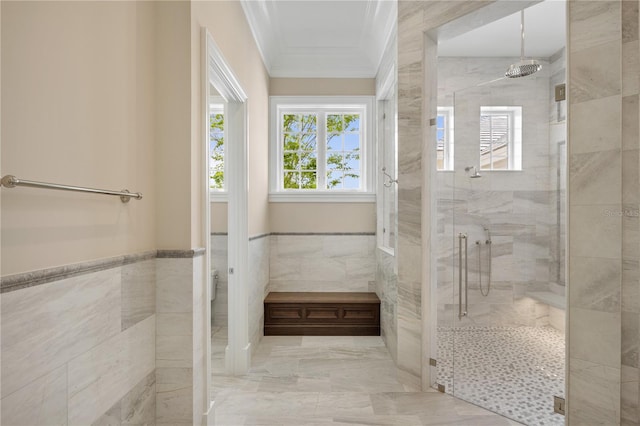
343 380
513 371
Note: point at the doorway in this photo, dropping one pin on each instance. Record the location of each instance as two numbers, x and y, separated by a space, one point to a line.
226 120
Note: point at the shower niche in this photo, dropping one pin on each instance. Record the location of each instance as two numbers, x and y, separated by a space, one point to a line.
499 192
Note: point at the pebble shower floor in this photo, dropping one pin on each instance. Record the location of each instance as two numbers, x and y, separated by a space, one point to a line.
512 371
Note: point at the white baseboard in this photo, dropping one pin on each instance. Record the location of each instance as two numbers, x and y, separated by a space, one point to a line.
228 360
244 360
239 365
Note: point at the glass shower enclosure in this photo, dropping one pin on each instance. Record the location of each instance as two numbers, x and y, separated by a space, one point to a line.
501 236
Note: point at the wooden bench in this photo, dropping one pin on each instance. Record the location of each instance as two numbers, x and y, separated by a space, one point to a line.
321 314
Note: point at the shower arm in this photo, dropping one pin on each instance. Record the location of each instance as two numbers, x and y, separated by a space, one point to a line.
522 35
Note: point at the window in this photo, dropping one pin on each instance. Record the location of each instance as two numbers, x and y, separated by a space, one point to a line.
320 149
444 132
216 147
501 138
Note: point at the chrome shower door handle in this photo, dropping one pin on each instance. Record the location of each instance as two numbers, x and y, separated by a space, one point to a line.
466 278
460 276
462 237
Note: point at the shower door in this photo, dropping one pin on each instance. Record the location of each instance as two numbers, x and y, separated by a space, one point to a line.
496 214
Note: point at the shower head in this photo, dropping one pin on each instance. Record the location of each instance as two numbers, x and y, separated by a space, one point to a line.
522 68
475 173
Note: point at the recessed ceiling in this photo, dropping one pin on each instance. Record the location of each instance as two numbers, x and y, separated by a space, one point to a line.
545 34
321 38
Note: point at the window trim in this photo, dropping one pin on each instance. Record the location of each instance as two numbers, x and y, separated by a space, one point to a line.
215 194
326 103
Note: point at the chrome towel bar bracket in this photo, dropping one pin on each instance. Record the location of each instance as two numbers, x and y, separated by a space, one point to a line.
10 181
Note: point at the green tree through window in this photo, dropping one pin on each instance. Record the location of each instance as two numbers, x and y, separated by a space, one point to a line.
300 151
343 151
216 149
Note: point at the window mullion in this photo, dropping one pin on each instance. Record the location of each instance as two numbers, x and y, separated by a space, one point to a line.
322 151
510 154
493 138
491 143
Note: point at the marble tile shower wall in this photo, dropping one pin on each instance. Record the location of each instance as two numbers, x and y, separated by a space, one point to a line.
630 305
601 102
81 350
322 262
603 201
514 206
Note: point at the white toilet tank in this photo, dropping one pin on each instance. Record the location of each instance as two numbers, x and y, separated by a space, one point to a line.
214 283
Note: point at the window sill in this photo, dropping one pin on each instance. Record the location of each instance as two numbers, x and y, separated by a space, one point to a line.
218 196
322 197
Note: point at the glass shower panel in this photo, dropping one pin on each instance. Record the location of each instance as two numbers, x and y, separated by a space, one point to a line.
445 241
502 211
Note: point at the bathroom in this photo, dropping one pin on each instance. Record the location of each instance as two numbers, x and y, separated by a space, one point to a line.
133 112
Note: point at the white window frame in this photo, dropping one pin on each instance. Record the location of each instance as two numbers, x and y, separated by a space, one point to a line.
449 144
327 104
514 158
218 104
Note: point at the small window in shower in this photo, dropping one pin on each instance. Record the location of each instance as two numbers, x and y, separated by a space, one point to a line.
501 138
444 135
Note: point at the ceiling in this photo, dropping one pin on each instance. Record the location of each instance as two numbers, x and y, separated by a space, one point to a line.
321 38
347 38
545 34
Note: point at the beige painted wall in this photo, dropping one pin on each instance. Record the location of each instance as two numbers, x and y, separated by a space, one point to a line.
322 86
322 217
78 105
233 36
219 217
176 196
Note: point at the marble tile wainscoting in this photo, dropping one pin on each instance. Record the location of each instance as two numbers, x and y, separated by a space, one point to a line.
258 281
117 341
293 262
387 291
322 262
79 344
259 255
220 262
180 348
